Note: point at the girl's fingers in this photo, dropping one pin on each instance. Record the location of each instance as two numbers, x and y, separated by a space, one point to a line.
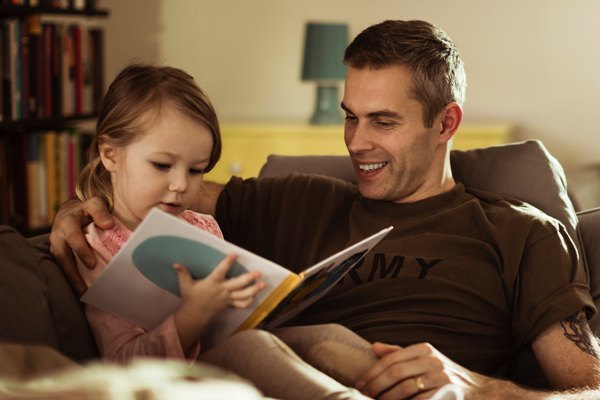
240 282
247 292
221 270
183 275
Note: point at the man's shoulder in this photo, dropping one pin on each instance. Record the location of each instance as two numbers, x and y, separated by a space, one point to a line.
513 210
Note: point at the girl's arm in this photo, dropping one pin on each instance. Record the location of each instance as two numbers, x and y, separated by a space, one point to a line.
203 299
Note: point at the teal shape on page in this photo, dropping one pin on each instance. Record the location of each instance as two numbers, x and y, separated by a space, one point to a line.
155 257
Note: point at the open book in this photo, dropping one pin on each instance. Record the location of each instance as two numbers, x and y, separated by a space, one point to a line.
140 284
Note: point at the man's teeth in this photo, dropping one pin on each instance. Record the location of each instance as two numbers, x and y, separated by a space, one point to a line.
371 167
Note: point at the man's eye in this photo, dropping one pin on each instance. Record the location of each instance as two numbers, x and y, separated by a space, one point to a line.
161 166
384 124
350 118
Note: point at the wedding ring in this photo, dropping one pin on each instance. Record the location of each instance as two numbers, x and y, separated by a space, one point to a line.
420 384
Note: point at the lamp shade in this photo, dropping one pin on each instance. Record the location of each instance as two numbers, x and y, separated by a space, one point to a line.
324 47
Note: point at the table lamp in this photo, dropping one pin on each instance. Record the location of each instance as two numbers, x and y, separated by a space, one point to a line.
324 47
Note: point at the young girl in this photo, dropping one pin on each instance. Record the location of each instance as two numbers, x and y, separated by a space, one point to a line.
157 134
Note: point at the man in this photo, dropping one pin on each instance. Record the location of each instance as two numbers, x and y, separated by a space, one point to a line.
458 282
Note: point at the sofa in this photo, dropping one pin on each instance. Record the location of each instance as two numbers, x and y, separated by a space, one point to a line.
38 307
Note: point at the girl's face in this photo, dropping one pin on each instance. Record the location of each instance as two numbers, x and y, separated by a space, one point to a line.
162 167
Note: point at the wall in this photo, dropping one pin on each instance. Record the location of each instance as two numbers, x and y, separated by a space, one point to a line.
531 62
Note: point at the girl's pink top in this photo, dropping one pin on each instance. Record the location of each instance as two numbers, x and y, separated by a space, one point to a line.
120 340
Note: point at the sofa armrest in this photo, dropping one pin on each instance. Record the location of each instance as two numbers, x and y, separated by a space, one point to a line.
38 305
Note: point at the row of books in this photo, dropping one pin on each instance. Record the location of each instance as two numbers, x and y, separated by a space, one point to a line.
49 70
58 4
41 170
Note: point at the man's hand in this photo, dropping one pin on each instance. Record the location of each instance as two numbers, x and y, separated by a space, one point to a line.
67 237
414 372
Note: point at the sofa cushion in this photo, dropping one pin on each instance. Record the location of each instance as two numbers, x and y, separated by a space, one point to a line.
38 306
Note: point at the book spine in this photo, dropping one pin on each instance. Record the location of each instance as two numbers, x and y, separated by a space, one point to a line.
15 50
25 66
270 302
4 191
36 54
78 68
72 163
33 179
97 65
15 167
47 34
57 65
7 73
51 185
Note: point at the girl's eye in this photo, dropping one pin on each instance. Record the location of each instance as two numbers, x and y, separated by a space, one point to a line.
196 171
161 166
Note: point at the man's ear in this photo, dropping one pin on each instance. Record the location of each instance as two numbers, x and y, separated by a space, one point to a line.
451 117
108 156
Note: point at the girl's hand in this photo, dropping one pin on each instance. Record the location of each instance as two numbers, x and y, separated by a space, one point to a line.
205 298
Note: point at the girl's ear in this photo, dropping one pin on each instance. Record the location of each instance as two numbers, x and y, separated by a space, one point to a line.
108 155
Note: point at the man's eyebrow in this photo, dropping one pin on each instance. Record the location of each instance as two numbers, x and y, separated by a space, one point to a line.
375 114
345 108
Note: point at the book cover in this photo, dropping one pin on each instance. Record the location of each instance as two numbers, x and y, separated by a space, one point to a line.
141 274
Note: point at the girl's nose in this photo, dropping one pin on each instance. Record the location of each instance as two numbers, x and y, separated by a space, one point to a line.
178 182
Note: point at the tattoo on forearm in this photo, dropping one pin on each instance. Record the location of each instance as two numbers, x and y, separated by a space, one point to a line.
578 331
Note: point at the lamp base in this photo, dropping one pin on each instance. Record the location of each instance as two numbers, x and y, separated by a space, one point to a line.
327 107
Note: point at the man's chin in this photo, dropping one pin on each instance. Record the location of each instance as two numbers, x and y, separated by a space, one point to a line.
370 192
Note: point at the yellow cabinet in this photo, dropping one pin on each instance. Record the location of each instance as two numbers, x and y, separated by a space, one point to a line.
246 146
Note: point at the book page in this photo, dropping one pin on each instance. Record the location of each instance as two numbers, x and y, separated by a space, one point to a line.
319 279
140 284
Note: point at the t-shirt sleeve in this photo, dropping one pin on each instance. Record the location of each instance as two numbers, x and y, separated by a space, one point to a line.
551 284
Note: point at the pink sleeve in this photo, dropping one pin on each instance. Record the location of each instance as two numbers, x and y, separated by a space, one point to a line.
120 340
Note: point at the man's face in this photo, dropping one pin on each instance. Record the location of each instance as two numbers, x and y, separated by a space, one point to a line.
395 156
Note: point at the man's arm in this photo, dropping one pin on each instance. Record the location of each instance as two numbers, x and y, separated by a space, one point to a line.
567 353
206 203
67 239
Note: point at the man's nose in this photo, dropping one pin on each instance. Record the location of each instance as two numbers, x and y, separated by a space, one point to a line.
358 138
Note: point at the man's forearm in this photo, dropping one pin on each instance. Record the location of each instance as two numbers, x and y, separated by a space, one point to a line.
496 389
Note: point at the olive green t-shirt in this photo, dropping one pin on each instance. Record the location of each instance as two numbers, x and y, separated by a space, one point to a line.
475 275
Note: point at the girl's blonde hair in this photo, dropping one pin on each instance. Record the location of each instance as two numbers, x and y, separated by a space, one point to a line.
137 89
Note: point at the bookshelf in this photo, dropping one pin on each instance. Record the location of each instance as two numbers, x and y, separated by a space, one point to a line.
52 70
